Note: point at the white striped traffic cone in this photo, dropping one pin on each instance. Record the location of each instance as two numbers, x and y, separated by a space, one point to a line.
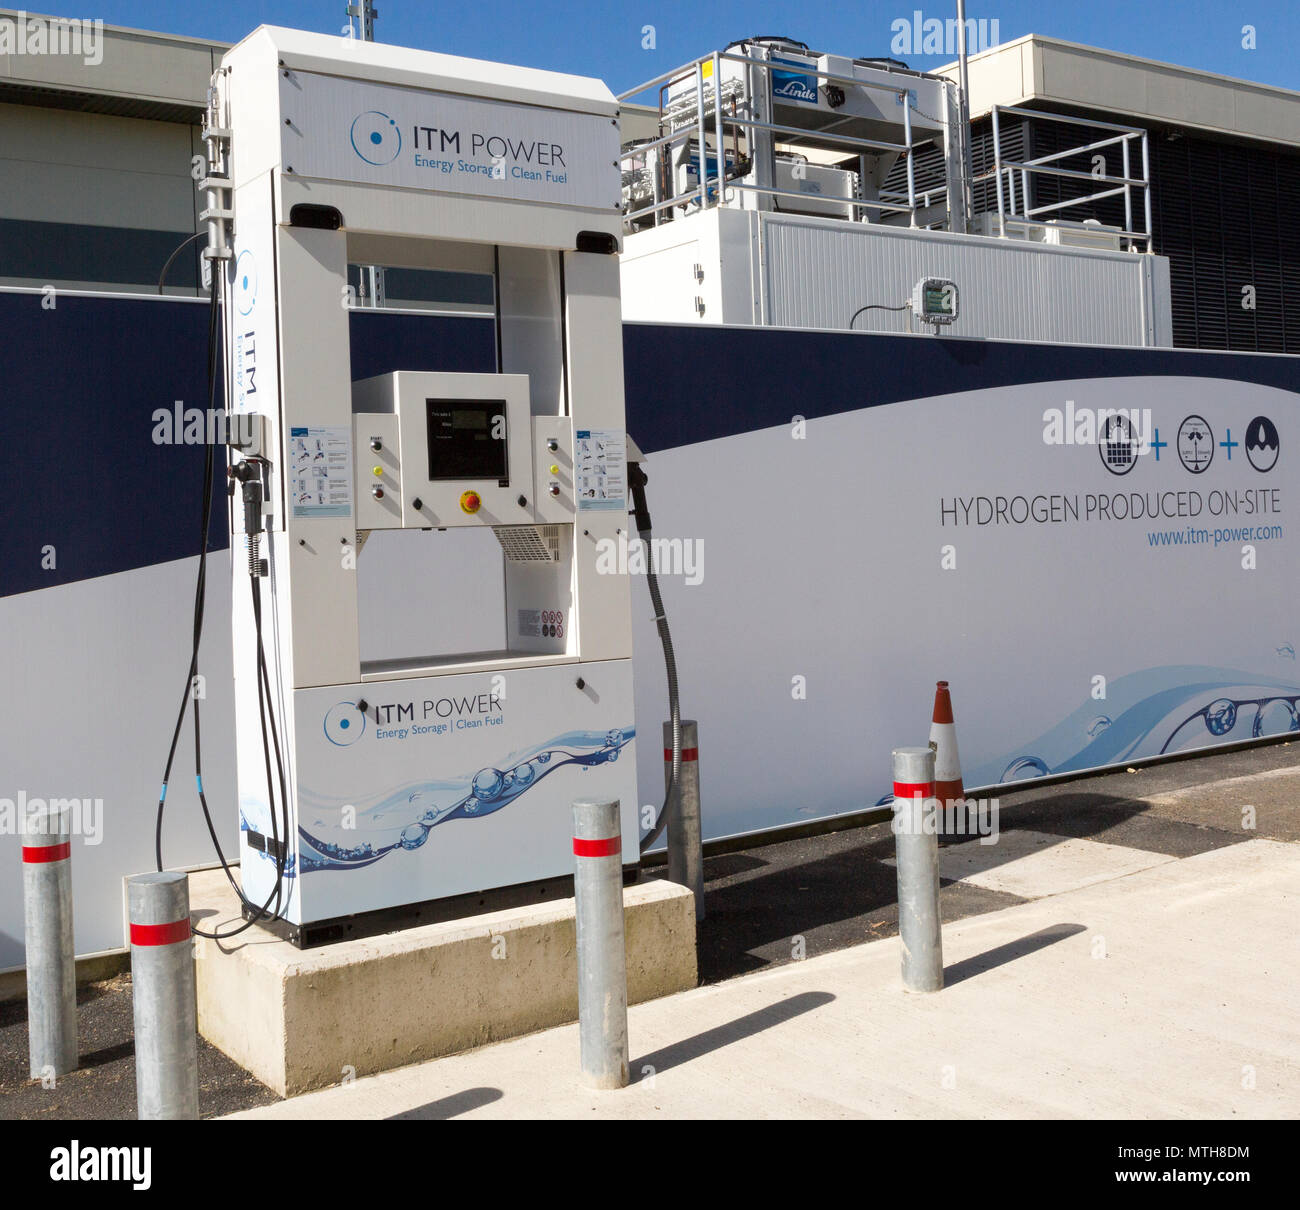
947 764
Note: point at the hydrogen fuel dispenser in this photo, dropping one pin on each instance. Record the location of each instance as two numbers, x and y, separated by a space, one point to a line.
373 784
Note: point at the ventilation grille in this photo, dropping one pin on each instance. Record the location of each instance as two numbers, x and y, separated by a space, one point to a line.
1223 216
529 543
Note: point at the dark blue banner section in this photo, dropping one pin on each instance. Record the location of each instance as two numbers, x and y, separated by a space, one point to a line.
94 482
688 383
90 490
87 491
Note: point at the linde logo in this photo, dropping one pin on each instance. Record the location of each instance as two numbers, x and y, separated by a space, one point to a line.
124 1164
793 85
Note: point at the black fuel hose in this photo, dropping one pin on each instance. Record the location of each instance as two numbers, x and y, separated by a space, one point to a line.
641 512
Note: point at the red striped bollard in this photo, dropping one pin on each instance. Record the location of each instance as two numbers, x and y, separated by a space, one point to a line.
162 995
916 842
685 840
602 952
51 955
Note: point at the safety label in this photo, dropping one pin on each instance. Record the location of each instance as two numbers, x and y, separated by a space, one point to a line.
320 471
601 471
541 623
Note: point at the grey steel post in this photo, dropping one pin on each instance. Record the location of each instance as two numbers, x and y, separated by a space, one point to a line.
602 953
917 846
162 993
51 956
963 115
685 843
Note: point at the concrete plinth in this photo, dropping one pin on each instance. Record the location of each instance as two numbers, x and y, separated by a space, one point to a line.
300 1020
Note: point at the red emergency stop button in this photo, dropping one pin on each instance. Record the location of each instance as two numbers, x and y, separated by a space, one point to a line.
470 502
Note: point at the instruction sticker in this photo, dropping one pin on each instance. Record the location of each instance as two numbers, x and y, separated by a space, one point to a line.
320 471
601 470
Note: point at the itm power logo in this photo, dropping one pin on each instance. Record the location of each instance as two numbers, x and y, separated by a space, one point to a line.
376 138
75 1162
344 724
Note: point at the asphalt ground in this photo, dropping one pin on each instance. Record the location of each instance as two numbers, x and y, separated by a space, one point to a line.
766 906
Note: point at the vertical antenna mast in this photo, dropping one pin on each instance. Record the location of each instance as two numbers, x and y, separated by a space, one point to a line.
372 276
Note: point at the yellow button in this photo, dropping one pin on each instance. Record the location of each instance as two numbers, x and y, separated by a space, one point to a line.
470 502
379 470
555 470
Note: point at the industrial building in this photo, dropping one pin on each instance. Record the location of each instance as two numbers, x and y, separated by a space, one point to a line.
96 185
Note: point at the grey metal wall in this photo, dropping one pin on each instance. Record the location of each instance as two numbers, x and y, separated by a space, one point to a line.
818 274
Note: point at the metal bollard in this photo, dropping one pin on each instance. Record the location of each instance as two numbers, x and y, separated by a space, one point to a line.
685 846
162 993
602 954
51 955
917 846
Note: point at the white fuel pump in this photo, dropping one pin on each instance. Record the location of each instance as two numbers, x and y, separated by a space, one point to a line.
390 783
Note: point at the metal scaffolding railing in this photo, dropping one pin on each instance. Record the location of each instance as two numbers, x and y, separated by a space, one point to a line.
690 123
1006 172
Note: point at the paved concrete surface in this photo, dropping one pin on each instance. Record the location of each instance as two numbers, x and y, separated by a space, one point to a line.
834 890
815 895
1031 864
1168 992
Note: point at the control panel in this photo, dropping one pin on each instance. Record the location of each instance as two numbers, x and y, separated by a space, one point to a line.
436 450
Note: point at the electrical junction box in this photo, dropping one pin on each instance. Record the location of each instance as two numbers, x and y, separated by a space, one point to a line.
934 300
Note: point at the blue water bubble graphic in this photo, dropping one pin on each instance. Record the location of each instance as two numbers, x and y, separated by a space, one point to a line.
1023 768
487 784
1097 726
414 836
1275 718
1221 716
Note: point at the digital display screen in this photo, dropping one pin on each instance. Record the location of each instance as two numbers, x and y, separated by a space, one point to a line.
467 439
937 300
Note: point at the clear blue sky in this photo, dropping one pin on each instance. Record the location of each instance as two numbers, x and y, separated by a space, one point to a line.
595 37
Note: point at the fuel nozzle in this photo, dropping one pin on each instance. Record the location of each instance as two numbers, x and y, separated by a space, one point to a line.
637 479
249 474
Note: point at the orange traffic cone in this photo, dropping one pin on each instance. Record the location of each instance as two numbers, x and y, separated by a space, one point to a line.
947 764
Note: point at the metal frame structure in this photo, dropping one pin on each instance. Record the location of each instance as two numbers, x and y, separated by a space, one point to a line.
1047 165
714 107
